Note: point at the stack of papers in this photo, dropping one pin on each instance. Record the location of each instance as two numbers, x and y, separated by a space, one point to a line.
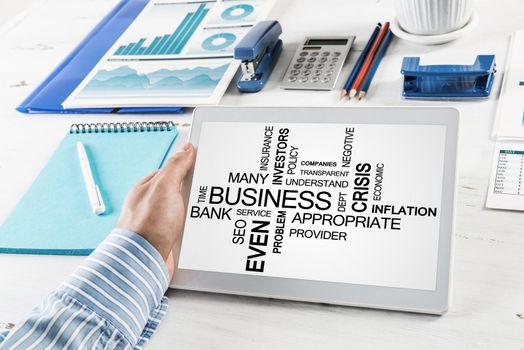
175 53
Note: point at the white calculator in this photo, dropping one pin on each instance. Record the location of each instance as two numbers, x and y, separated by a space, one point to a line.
317 63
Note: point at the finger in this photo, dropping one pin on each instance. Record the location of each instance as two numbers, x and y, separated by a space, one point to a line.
177 167
147 178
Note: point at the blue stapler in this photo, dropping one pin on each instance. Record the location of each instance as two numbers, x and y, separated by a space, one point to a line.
448 81
258 51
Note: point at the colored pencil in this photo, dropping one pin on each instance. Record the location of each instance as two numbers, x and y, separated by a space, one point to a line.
376 62
360 60
369 59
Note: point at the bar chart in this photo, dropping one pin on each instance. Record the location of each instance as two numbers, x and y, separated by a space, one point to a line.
168 44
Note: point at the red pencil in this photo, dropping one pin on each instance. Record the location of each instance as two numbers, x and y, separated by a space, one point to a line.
369 60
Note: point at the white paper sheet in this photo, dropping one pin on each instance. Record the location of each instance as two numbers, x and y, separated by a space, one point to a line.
509 123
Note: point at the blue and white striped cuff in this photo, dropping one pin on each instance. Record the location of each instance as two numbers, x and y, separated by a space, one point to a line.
122 281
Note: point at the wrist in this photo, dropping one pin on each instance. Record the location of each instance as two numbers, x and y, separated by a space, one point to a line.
155 241
162 246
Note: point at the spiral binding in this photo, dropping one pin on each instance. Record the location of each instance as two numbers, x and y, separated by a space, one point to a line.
121 127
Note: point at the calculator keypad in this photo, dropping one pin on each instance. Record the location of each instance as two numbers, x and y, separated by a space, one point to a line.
316 68
323 73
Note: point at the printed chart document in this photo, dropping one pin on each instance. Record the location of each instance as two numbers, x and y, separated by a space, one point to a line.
176 53
348 203
509 123
506 187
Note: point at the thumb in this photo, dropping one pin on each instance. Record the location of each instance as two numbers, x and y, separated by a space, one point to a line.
177 167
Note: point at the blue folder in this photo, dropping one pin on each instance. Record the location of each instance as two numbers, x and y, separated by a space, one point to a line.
49 95
55 214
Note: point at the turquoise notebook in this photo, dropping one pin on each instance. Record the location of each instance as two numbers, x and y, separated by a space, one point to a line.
55 215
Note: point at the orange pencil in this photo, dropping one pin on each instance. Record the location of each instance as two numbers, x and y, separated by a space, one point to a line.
369 60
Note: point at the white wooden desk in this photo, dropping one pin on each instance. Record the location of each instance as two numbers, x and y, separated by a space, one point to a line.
488 281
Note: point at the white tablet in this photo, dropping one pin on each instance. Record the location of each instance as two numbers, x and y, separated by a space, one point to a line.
350 206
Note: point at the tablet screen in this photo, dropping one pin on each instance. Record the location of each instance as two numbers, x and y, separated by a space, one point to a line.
348 203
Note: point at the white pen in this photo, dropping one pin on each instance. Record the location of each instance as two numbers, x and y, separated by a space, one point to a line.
97 203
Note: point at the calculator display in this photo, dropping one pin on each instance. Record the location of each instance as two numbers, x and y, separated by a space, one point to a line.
327 42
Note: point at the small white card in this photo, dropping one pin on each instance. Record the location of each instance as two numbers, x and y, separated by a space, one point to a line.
506 185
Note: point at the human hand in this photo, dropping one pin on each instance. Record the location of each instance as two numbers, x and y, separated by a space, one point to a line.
154 208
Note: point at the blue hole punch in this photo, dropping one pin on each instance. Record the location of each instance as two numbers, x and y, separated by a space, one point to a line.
448 81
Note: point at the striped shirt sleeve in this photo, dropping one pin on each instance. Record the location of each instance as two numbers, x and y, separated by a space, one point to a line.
114 300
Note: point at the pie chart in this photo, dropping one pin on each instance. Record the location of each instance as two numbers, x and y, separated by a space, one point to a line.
218 41
237 12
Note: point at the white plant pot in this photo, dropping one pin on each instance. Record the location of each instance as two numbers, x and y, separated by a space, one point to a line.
432 17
